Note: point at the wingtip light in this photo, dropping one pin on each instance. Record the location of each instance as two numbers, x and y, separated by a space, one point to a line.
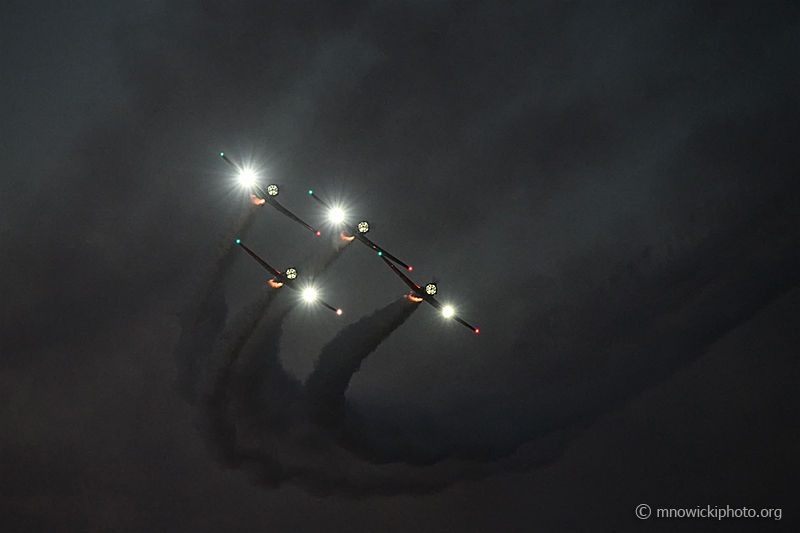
477 330
319 233
338 311
238 241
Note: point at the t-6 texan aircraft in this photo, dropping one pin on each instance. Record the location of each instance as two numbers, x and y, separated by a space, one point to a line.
358 232
288 279
419 293
248 179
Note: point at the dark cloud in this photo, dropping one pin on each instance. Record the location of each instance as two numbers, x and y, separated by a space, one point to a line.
607 191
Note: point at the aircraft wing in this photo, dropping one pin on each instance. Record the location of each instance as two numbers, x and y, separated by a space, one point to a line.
427 297
291 284
289 214
318 199
414 287
434 302
464 322
329 306
261 261
431 300
363 238
225 157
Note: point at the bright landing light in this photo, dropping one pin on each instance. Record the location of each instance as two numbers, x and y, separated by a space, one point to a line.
310 295
447 311
247 178
336 215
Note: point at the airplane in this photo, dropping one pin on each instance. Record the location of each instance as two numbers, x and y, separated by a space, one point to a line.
248 179
358 232
419 293
288 279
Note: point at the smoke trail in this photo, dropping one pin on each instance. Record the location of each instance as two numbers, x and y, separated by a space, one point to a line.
342 357
260 420
316 463
279 431
250 346
323 261
213 395
265 423
260 355
205 316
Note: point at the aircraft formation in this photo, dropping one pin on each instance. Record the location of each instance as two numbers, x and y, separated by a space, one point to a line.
289 278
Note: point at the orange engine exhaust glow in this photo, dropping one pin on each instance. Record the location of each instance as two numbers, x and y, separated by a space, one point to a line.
257 200
275 284
414 298
347 238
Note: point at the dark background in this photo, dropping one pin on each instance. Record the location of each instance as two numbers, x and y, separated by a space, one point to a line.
609 191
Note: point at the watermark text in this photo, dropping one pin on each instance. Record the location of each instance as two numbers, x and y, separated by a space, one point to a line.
644 512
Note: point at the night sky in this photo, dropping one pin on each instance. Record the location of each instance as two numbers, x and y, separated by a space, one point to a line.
610 191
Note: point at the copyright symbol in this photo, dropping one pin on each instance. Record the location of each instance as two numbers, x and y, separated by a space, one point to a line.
643 511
